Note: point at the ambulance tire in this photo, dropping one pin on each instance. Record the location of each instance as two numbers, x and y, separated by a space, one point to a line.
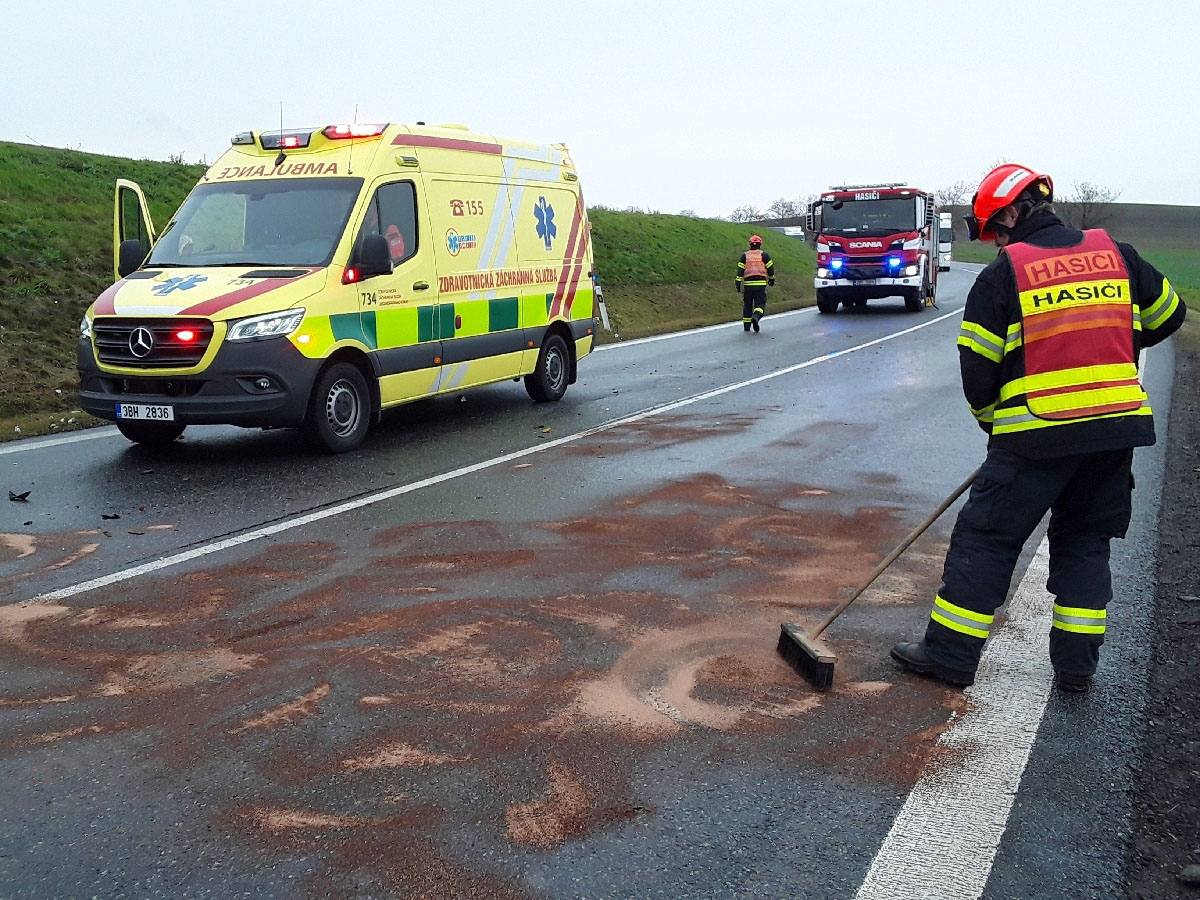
152 434
339 410
826 303
549 380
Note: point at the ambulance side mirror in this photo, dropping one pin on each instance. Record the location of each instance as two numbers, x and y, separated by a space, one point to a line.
130 256
374 256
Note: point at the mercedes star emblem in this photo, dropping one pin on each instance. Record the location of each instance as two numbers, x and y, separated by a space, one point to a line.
141 342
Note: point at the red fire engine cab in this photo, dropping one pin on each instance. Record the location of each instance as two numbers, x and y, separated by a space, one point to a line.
873 241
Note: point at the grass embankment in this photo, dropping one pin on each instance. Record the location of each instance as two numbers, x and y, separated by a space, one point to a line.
662 273
55 258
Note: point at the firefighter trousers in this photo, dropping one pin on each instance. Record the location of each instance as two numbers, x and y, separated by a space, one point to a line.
754 303
1089 497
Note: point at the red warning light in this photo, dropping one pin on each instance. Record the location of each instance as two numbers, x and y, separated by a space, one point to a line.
351 275
185 335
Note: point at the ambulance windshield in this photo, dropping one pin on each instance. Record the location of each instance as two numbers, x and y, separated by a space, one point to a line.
887 215
285 222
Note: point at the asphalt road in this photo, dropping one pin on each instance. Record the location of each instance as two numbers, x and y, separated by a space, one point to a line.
518 650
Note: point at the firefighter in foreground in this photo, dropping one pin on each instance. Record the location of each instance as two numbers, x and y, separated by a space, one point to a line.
754 272
1049 350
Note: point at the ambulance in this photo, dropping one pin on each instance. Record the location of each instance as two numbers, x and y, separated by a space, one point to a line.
315 277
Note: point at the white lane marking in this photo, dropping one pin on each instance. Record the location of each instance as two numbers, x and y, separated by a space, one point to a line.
674 334
390 493
32 444
944 840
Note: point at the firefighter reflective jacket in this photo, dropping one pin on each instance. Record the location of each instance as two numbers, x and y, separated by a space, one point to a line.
754 268
1051 336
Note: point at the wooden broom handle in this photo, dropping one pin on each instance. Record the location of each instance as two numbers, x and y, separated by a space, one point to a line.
895 554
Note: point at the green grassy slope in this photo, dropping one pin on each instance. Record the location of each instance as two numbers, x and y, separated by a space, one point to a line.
56 256
663 272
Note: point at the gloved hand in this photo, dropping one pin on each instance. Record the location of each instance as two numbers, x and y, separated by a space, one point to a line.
771 282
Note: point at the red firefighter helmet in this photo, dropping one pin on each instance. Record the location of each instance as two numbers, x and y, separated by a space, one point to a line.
1002 187
755 239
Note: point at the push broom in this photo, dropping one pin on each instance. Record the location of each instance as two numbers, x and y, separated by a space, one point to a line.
813 659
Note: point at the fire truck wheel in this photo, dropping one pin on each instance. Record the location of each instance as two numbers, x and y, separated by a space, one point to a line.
339 410
826 303
549 380
154 434
914 300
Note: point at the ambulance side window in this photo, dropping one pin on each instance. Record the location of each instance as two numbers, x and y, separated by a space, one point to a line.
393 213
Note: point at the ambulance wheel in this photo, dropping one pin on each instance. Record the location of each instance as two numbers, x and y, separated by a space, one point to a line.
826 303
549 380
339 410
153 434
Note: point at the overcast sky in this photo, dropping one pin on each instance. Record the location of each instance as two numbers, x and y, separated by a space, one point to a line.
667 106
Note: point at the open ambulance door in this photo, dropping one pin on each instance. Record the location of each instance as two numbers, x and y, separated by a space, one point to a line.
133 229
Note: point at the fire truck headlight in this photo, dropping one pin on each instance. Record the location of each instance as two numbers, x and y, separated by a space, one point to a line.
822 273
910 270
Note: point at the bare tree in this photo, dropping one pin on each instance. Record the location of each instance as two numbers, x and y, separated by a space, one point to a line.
784 209
1088 205
956 194
746 213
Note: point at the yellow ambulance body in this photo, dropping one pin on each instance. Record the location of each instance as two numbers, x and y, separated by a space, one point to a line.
317 276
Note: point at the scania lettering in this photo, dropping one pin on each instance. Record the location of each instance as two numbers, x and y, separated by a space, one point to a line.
874 241
315 277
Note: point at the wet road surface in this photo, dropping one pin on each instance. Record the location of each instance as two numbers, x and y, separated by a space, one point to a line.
512 650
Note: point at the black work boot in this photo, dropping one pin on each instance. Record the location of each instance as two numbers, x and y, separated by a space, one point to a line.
745 326
1073 684
912 656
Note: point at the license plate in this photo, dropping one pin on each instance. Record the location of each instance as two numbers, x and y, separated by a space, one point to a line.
146 412
865 281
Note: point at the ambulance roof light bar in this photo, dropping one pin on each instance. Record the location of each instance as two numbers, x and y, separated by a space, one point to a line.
861 187
343 132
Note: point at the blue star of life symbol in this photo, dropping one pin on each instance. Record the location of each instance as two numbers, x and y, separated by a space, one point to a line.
546 229
452 242
178 284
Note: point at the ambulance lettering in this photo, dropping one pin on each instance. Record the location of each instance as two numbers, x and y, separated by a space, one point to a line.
292 169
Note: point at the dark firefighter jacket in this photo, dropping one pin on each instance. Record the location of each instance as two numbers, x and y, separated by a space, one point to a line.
991 355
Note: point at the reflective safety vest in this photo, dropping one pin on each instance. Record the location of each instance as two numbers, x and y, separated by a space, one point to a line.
755 267
1077 324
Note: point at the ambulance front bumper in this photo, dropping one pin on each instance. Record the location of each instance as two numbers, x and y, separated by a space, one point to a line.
255 384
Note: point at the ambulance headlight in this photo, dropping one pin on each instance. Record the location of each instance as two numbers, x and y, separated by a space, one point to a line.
271 325
910 270
85 329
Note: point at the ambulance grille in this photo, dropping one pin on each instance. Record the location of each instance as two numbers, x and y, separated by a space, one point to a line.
156 342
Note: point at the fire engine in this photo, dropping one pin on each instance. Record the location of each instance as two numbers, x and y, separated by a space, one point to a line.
873 241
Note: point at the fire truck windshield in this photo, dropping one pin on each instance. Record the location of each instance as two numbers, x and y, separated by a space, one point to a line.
884 216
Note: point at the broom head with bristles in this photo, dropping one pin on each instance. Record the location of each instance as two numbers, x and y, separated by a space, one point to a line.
808 656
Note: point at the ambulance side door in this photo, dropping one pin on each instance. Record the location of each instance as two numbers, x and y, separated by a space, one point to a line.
476 261
399 312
